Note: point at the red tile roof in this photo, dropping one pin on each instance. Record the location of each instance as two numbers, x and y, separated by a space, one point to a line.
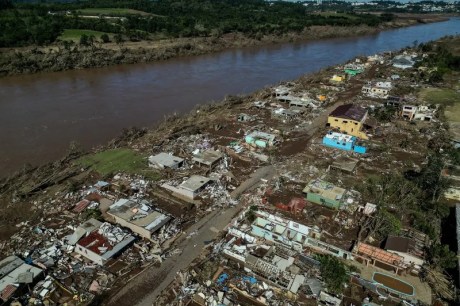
94 241
379 254
7 292
80 206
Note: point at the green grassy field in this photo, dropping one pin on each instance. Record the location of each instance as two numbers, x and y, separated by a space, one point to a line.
75 34
118 160
451 99
440 96
111 12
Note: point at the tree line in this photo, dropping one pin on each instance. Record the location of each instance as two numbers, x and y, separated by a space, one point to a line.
41 23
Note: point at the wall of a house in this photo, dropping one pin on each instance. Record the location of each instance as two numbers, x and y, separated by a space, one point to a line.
347 126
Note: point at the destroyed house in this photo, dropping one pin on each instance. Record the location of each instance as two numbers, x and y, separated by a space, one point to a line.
285 113
14 275
324 193
103 243
281 91
372 255
277 229
138 216
353 69
348 119
378 89
165 160
190 188
303 103
406 248
403 62
261 139
209 158
408 112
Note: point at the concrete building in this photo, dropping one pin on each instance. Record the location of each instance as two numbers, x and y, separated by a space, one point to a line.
139 217
343 142
209 158
372 255
377 90
190 188
164 160
287 232
348 119
14 274
324 193
408 112
103 243
261 139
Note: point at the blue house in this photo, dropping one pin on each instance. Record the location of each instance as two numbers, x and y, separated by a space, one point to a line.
343 142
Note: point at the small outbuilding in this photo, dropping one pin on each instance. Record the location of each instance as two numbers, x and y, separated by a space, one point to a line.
165 160
209 158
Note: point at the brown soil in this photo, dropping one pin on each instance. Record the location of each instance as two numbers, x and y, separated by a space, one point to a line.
393 283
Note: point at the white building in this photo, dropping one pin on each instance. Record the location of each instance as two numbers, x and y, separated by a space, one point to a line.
103 243
164 160
138 216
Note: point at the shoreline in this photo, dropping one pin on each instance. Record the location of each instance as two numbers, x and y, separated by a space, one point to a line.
49 185
56 58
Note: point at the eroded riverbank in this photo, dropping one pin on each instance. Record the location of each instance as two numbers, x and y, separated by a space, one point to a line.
41 114
15 61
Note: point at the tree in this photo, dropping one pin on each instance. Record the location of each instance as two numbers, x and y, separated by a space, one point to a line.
84 40
6 4
440 256
333 272
105 38
395 198
118 38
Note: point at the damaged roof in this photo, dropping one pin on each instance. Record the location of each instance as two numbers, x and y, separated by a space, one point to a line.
379 254
349 111
399 244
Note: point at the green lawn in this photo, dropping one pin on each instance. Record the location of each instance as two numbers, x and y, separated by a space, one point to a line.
111 12
451 99
75 34
440 96
118 160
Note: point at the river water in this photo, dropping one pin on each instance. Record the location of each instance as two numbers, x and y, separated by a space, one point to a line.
41 114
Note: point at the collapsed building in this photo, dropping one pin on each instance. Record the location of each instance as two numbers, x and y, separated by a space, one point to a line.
138 216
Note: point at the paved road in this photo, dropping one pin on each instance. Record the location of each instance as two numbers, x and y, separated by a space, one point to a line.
160 277
139 291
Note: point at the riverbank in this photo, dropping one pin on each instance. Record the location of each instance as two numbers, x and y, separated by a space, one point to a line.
40 207
16 61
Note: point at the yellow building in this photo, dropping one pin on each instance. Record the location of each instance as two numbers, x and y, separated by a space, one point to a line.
348 119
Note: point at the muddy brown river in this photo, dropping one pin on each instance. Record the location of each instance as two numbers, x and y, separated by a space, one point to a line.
41 114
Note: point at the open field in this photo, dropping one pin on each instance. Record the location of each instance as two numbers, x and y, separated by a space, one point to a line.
118 160
111 12
450 98
75 34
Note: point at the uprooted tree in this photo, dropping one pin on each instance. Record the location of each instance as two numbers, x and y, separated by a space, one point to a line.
395 197
334 273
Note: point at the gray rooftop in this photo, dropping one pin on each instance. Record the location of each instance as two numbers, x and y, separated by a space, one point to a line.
139 214
195 182
208 157
18 271
165 160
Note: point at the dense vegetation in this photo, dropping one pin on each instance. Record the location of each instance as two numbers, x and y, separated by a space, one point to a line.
42 23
